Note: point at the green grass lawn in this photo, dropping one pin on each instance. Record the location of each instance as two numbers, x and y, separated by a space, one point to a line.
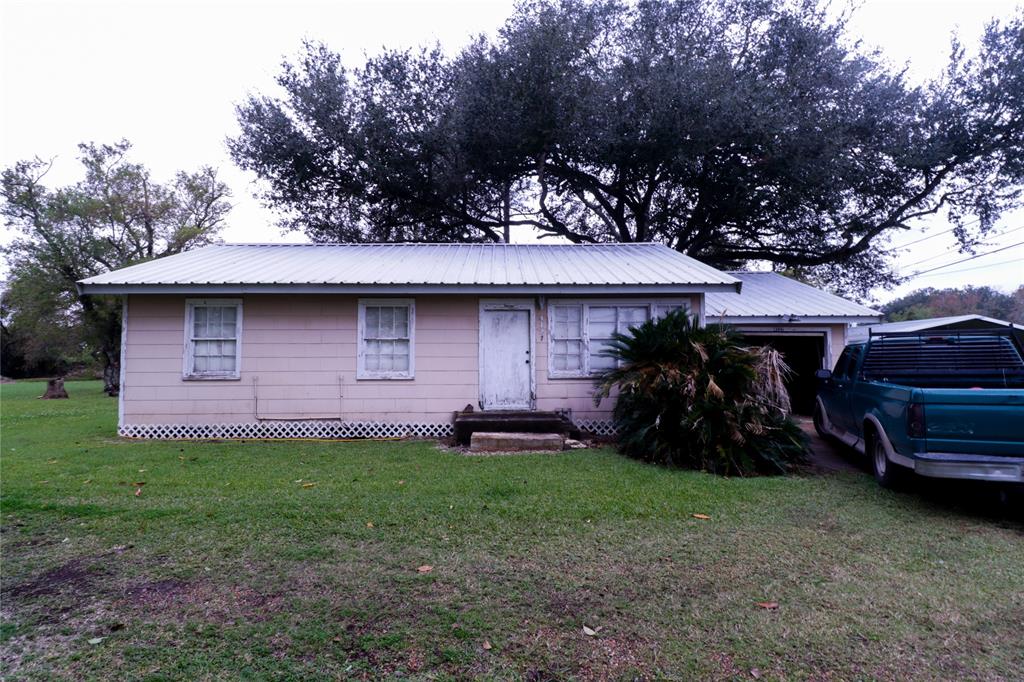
297 560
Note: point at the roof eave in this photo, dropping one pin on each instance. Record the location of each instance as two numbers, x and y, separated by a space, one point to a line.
790 319
86 288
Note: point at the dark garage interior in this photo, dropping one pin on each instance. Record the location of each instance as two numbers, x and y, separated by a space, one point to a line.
804 355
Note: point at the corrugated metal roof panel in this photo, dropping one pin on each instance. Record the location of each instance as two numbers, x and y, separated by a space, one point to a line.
445 265
861 333
771 295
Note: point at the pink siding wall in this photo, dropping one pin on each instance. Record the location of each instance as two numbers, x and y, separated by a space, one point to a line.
299 362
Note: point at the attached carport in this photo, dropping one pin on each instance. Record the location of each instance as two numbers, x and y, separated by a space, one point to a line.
807 325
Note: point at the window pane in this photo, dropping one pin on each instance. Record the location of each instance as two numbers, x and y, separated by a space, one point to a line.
631 317
601 330
372 322
227 322
199 321
566 322
213 315
401 362
401 322
663 310
228 357
598 361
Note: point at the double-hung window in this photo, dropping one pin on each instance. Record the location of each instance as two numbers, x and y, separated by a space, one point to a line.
386 334
213 338
582 332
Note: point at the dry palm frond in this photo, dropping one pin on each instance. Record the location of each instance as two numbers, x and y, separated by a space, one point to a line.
770 384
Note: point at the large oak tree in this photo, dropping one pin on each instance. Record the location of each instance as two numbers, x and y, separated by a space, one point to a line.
732 130
117 215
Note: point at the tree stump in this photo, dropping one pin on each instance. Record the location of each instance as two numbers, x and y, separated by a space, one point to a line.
54 390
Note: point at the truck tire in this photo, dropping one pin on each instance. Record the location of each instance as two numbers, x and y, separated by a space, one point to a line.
819 420
888 474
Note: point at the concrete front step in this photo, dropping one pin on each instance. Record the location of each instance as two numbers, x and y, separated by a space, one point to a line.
500 441
512 421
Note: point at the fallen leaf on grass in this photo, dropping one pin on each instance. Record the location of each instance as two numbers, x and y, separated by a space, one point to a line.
139 483
487 645
755 673
51 461
426 568
369 524
138 492
142 471
297 481
768 605
702 517
401 483
88 480
308 485
96 640
591 632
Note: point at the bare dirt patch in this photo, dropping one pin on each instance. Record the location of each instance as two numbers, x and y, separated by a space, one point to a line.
76 576
180 600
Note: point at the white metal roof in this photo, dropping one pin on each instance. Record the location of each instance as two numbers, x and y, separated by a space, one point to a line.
969 321
771 297
418 268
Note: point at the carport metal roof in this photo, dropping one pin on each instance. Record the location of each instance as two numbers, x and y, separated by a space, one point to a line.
769 297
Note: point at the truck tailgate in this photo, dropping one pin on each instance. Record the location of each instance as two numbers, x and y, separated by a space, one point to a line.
980 422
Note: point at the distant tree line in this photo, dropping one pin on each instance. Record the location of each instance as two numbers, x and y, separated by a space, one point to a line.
731 130
925 303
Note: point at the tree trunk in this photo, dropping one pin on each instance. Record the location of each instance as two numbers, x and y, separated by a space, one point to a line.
55 390
111 371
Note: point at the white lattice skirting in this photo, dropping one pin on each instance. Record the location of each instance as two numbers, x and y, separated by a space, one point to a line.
329 430
290 429
598 427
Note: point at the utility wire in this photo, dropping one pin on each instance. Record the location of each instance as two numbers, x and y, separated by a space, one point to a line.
925 260
976 267
933 236
964 260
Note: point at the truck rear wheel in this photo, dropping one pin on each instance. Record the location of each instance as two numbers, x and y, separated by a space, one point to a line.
887 474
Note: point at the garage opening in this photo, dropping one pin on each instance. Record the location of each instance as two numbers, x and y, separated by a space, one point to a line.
804 354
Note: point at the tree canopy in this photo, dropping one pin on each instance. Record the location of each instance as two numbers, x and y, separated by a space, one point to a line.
731 130
117 215
929 302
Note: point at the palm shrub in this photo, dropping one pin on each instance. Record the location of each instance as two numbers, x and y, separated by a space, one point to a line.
697 397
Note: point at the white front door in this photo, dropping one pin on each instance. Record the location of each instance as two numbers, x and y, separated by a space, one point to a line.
506 364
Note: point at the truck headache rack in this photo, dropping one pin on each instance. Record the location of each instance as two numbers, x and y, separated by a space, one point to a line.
980 353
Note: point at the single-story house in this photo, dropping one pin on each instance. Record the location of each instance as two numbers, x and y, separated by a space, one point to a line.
807 325
861 332
355 340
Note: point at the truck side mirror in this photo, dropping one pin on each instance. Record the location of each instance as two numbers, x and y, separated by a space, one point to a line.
823 373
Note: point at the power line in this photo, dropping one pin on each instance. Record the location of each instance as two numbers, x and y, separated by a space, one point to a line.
964 260
976 267
925 260
933 236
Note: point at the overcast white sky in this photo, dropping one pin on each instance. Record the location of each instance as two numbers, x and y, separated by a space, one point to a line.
166 75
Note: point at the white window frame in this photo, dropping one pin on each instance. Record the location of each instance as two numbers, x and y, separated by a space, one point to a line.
584 345
188 370
379 375
585 372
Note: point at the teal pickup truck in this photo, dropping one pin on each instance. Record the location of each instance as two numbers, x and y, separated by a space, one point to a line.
940 404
